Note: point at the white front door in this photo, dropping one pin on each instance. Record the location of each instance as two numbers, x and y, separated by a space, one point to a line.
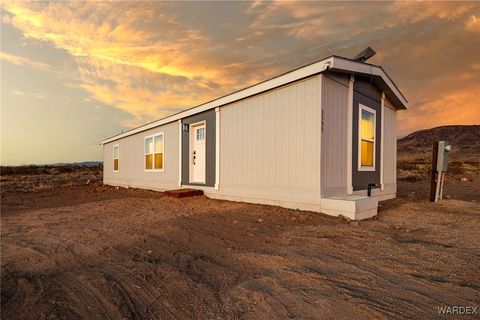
198 137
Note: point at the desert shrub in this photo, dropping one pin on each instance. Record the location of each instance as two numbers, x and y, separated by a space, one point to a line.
456 167
419 161
473 163
20 170
66 169
411 178
407 166
48 169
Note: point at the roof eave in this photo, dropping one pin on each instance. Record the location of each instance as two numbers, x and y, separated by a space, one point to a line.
348 65
278 81
332 62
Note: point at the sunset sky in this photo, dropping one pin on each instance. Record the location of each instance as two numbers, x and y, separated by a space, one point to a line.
75 73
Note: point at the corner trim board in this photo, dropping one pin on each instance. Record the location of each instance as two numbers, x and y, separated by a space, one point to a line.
382 139
217 148
350 134
180 129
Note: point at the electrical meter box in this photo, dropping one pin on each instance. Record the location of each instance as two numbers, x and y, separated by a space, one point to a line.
442 156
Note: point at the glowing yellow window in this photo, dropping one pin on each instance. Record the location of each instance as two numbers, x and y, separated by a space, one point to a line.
158 152
115 157
149 153
154 153
367 137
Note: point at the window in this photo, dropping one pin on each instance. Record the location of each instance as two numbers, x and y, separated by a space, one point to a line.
201 134
115 157
367 127
154 153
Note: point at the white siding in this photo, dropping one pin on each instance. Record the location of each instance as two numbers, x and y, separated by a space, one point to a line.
270 146
334 137
389 152
131 161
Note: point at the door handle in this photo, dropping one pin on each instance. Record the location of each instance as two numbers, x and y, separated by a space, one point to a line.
194 156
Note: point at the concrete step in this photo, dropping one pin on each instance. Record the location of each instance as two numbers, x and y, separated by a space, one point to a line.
354 207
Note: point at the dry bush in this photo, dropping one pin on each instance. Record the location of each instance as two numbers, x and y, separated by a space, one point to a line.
456 168
34 178
411 178
406 166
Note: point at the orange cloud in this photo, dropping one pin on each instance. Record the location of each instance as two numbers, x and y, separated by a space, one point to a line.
146 60
22 61
110 47
76 27
142 104
461 106
473 23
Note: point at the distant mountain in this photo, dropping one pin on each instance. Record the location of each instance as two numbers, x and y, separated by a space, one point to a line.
465 141
82 164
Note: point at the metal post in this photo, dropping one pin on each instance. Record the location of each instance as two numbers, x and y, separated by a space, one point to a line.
437 189
434 173
442 179
439 167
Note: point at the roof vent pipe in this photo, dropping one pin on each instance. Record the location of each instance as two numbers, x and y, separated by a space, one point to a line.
364 55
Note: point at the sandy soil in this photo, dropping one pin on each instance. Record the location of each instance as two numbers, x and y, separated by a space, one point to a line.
103 253
454 188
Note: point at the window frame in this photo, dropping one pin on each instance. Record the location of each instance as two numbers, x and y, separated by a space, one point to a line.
374 112
118 156
153 136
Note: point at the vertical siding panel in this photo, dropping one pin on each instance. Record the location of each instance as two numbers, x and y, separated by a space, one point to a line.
317 123
286 141
304 111
334 139
292 134
280 139
227 142
389 146
270 106
248 147
239 143
235 142
276 116
249 166
253 150
243 131
256 150
226 153
273 140
264 152
311 132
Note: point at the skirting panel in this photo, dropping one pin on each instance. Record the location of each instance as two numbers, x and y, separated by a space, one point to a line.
285 204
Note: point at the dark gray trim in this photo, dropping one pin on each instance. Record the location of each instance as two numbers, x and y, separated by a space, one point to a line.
364 92
338 77
209 118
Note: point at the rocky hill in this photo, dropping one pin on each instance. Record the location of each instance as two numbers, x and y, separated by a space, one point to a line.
465 142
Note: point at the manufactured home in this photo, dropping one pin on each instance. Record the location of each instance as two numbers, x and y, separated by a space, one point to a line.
321 138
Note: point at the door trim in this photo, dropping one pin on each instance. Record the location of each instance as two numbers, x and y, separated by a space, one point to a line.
190 151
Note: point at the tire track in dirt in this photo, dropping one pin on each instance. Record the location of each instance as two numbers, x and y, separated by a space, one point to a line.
149 257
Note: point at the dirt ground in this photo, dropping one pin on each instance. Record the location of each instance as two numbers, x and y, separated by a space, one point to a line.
104 253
